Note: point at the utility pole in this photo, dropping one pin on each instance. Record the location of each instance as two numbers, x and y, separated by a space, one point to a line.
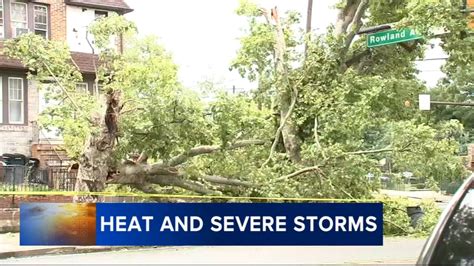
309 16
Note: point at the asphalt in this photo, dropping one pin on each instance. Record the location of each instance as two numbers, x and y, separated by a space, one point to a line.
10 248
394 251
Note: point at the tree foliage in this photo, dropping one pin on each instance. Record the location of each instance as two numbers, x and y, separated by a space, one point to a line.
350 110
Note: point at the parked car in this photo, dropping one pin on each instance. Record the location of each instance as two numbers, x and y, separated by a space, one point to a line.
452 240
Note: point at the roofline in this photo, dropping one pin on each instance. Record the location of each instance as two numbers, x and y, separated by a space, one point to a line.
103 7
26 70
13 68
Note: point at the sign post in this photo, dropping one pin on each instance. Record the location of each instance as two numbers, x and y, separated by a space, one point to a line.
391 36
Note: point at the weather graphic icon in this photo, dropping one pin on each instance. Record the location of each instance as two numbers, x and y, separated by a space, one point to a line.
57 224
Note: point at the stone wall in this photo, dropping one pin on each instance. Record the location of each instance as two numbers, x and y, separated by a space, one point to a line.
10 211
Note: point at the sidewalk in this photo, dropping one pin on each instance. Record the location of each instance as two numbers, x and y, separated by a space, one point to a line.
10 247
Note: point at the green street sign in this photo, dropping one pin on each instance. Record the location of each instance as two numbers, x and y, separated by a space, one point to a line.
391 37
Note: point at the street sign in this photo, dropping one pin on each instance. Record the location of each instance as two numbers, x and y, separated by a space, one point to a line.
425 102
391 37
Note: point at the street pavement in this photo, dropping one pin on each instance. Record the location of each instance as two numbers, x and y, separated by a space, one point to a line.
394 251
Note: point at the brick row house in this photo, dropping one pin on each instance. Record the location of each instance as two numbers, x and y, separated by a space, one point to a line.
21 101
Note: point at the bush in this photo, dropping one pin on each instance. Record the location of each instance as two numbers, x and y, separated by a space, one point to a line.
398 223
420 186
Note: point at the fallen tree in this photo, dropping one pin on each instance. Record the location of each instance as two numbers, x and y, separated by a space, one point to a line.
172 172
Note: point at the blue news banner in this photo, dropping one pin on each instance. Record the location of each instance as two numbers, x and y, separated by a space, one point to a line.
174 224
242 224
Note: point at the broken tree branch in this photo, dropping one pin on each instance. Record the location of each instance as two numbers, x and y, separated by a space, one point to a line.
61 86
282 125
163 179
316 138
318 167
386 149
369 151
177 160
284 89
346 16
131 172
142 158
180 181
349 23
302 171
226 181
356 23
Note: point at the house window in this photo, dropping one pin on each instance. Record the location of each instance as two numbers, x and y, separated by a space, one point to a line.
97 90
19 18
82 87
15 101
101 14
2 28
41 20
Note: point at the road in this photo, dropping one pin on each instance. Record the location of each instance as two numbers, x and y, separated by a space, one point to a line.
395 250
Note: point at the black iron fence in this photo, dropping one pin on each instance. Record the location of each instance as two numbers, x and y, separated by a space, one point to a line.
25 178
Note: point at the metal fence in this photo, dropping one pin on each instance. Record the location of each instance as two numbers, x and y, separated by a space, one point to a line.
24 178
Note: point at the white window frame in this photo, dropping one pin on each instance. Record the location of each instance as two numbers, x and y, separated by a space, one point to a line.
82 83
97 89
12 21
2 31
22 106
47 19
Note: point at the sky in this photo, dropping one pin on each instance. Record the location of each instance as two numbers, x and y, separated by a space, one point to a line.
203 35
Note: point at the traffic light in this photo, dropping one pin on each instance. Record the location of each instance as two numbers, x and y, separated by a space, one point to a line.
470 9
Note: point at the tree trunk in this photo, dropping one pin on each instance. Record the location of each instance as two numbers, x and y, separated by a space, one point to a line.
346 16
95 159
348 24
289 130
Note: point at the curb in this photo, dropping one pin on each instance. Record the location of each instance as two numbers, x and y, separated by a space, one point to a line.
59 251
